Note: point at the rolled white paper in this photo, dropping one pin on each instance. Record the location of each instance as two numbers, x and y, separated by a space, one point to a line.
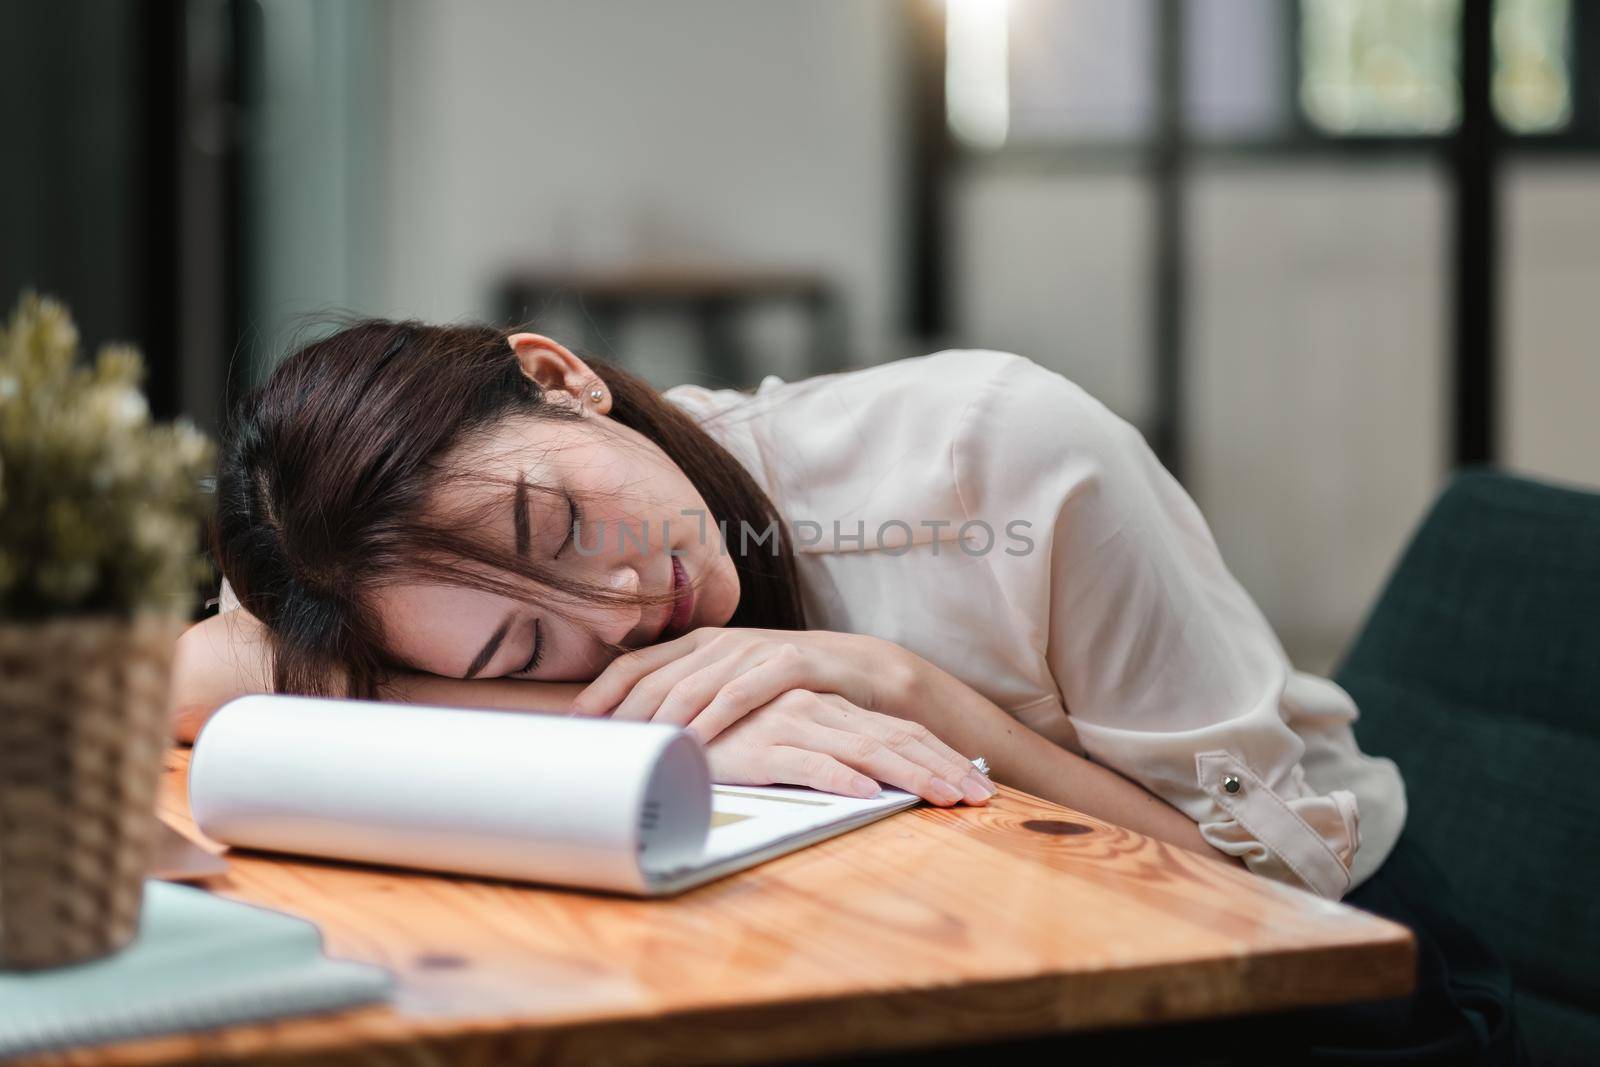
508 794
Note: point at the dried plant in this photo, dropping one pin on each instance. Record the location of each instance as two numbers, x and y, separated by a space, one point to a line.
99 506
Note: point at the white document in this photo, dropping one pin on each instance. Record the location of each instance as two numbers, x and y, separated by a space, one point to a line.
624 807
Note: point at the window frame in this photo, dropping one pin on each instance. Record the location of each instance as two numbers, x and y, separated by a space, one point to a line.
1470 156
1299 136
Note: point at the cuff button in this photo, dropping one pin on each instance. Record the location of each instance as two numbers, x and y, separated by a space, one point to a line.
1230 784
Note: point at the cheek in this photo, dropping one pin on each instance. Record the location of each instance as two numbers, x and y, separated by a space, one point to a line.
582 664
434 653
719 592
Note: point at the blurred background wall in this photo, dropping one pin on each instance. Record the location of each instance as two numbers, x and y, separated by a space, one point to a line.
1320 251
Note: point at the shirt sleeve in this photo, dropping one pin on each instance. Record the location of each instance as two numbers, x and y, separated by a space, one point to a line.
1169 671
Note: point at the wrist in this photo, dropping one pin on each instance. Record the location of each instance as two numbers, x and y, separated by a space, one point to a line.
901 680
919 690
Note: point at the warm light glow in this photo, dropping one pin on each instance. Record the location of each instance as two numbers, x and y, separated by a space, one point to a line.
976 72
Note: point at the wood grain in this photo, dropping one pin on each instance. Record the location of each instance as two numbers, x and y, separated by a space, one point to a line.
933 926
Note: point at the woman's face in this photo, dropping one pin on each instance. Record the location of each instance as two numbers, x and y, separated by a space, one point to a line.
602 505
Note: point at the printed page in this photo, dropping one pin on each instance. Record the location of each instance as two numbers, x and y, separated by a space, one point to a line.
748 817
752 824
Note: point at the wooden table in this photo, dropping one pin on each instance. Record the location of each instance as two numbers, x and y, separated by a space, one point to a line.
933 926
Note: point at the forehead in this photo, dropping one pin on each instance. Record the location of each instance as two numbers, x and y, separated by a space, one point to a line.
482 471
590 457
521 444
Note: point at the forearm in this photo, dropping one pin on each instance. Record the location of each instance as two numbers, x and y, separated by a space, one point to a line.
226 656
1018 757
510 693
216 660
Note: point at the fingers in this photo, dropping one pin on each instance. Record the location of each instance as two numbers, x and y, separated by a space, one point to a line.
706 688
786 765
894 730
736 694
622 674
712 671
912 741
867 754
893 751
646 689
650 693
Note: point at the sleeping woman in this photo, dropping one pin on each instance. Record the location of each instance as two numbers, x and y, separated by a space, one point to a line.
860 578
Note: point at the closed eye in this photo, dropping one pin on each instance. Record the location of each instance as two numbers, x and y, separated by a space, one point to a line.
538 651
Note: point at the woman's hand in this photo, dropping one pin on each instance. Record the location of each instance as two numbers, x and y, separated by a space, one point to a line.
711 678
823 741
817 706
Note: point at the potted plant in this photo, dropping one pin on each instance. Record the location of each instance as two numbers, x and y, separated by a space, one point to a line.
99 520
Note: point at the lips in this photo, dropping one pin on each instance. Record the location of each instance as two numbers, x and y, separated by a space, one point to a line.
683 600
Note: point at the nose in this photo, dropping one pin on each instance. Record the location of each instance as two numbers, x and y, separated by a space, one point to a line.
624 579
616 623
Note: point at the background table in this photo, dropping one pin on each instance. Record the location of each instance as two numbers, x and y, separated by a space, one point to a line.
715 299
932 926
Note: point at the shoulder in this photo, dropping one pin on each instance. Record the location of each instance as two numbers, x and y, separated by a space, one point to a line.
879 441
938 382
957 392
972 409
1032 442
1024 407
984 400
886 406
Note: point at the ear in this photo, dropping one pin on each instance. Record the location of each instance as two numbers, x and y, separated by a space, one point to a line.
556 370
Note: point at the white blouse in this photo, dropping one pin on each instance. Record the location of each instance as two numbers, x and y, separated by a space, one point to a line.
994 518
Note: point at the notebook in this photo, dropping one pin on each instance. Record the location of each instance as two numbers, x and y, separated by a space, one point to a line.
198 961
588 803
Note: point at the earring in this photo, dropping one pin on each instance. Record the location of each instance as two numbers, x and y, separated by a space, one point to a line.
596 395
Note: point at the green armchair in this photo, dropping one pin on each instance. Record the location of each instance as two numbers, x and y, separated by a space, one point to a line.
1478 672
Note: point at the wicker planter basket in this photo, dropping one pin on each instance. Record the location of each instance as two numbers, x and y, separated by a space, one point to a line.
83 726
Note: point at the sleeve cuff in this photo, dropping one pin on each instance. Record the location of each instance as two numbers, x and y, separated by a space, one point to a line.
1307 840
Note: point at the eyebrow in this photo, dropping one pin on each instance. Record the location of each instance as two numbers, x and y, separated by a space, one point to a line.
519 514
490 647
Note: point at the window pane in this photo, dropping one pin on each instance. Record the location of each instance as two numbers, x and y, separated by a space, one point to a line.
1081 69
1056 266
1234 67
1316 420
1381 66
1532 83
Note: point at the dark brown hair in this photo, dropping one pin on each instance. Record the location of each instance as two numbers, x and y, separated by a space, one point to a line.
326 469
